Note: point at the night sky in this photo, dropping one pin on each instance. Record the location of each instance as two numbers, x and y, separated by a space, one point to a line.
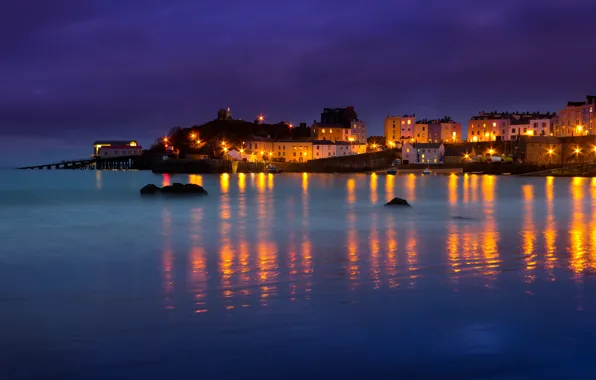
73 71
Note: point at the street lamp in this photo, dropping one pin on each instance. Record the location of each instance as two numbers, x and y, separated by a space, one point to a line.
192 135
491 151
577 151
261 118
467 156
290 125
550 155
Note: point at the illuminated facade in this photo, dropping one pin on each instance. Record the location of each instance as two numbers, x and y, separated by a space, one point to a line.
108 148
398 129
505 126
577 119
431 153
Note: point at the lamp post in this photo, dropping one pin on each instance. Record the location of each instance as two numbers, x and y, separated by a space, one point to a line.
550 155
577 151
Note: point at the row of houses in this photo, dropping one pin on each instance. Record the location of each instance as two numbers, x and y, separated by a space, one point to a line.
399 129
296 150
576 119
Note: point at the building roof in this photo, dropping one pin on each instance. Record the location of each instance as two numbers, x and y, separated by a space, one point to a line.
348 143
114 142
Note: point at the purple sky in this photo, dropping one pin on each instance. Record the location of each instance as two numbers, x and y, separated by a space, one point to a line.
77 70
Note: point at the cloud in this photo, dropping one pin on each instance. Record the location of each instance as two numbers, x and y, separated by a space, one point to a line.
98 68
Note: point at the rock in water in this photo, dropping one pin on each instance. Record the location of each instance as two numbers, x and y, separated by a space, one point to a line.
178 188
150 189
397 202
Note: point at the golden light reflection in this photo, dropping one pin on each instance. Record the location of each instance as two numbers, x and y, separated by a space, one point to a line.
453 251
577 231
304 183
241 182
550 230
529 233
466 188
195 179
270 183
410 187
224 182
490 236
351 185
261 183
452 189
474 180
389 186
374 196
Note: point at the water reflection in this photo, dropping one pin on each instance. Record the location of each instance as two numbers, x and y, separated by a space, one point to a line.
550 230
529 232
98 180
272 237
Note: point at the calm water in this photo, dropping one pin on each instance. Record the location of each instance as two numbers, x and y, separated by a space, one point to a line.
296 276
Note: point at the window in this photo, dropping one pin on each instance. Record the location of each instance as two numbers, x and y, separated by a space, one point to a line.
512 130
525 130
494 124
323 130
484 125
330 130
317 147
418 135
407 150
294 154
422 129
279 154
543 125
317 154
423 156
409 122
502 131
403 121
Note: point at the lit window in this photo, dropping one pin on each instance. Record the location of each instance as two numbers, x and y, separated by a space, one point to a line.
407 150
330 130
409 121
494 124
323 130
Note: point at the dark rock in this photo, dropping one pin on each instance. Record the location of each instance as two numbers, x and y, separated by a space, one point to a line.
178 188
462 218
150 189
397 202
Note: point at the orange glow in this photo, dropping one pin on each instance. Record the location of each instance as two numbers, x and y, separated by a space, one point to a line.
241 151
241 182
529 233
168 259
578 230
410 187
195 179
165 139
351 185
577 150
290 125
550 151
452 189
550 231
491 151
224 182
192 135
373 188
261 117
304 183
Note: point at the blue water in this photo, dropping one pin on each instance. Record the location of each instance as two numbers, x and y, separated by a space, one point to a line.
296 276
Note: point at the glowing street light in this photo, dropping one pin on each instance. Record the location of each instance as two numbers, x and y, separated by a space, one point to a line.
241 151
165 139
261 118
192 135
467 156
225 149
577 150
550 151
491 151
290 125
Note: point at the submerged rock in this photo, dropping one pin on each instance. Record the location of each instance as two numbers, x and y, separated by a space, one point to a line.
178 188
397 202
150 189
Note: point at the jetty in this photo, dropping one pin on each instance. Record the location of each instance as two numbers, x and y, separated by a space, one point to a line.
106 163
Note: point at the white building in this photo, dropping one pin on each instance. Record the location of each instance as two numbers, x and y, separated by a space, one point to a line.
113 148
431 153
323 149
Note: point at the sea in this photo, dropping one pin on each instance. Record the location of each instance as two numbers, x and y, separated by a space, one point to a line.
296 276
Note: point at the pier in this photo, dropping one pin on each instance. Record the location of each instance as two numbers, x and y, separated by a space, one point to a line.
112 163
